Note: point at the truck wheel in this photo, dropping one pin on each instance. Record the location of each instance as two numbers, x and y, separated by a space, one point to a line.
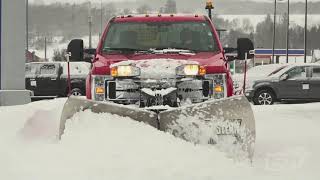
76 92
264 97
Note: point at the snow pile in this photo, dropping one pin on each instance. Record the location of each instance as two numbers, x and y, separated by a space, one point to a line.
156 68
105 146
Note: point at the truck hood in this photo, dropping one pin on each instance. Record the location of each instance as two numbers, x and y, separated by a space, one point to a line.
214 62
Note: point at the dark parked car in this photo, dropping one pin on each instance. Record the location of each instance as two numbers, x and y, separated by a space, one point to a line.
49 79
292 82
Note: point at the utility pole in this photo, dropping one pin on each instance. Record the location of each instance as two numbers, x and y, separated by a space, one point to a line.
274 29
101 18
45 48
305 31
288 29
27 25
90 26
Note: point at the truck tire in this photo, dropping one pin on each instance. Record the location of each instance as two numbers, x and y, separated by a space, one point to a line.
76 92
264 97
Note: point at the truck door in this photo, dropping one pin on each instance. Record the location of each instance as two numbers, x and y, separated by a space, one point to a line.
47 79
296 86
315 82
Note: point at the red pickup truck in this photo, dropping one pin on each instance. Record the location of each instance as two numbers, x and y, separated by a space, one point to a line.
170 72
159 60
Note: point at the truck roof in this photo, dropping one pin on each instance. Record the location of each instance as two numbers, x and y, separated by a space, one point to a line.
160 18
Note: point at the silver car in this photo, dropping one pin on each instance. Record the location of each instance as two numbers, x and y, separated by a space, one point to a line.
298 82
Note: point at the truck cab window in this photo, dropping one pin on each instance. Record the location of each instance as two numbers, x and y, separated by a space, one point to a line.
195 36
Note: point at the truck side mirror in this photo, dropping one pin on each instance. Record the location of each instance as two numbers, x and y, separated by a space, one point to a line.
245 45
75 47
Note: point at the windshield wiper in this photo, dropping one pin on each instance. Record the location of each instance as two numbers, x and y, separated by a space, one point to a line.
107 49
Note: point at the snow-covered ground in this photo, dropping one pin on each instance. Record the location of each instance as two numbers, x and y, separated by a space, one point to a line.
105 146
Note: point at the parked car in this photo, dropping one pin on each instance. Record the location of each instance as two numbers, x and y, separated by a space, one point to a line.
49 79
299 82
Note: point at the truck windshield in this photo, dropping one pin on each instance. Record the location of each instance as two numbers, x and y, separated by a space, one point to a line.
143 36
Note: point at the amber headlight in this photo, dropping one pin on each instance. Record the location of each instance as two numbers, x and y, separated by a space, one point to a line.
125 71
98 86
218 87
190 70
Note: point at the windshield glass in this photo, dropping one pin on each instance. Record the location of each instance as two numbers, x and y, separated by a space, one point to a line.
194 36
277 70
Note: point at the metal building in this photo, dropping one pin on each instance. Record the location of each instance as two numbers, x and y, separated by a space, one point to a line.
12 53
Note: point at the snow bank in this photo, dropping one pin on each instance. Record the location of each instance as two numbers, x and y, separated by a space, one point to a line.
105 146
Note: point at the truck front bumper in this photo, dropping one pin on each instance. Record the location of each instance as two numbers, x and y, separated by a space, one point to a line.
159 92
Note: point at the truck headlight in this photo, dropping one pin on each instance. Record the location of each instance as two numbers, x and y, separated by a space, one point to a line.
98 86
125 71
190 70
218 85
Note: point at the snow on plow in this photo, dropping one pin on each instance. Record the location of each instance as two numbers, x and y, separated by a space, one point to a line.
216 122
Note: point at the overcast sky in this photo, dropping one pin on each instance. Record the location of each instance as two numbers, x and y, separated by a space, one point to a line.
73 1
81 1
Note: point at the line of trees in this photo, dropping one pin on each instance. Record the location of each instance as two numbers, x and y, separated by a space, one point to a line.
71 21
263 33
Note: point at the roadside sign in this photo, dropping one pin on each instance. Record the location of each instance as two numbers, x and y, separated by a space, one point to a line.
279 52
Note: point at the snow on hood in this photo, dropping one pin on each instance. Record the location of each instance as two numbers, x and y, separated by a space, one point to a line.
156 68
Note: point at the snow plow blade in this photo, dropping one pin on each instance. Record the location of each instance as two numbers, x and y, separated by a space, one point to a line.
76 104
227 123
216 122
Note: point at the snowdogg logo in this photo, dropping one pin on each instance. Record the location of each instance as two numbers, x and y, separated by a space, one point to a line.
229 127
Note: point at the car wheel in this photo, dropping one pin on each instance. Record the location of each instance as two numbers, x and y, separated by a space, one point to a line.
264 97
76 92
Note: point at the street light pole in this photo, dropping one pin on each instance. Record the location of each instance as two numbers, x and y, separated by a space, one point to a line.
288 29
305 31
274 30
101 17
90 26
27 25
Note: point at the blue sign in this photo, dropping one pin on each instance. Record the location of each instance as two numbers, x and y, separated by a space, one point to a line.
279 52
